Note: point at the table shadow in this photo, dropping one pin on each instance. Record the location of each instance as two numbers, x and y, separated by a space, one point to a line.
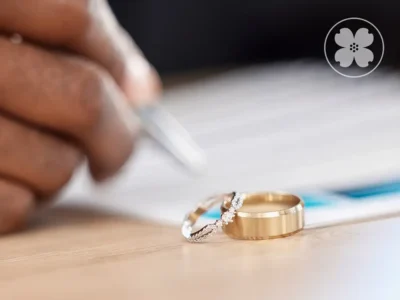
63 215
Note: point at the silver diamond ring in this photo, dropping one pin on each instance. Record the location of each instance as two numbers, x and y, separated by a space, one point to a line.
208 230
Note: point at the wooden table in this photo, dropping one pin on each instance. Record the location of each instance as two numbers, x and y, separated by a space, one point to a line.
72 253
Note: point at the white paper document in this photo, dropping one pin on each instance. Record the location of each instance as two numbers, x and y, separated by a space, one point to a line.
297 127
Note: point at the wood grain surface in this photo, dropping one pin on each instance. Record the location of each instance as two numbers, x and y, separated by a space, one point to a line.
74 253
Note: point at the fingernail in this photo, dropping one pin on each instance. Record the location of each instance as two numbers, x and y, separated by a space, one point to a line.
141 84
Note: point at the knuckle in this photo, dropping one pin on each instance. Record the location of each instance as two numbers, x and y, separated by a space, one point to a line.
61 176
15 205
91 93
86 13
58 168
77 10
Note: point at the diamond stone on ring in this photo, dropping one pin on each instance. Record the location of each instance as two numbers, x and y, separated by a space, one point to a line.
207 231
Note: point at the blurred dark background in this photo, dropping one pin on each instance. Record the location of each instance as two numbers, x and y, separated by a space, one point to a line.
178 35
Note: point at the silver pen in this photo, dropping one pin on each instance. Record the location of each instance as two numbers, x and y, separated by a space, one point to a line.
172 137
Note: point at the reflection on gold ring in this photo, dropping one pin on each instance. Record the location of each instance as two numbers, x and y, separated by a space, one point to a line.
265 216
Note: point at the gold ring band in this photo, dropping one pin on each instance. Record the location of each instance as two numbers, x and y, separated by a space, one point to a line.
265 216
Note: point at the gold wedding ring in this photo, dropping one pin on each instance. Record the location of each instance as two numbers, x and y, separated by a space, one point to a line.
265 216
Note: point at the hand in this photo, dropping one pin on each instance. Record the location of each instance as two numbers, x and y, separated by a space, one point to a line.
64 96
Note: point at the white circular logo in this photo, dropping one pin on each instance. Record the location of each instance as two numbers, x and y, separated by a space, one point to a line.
354 47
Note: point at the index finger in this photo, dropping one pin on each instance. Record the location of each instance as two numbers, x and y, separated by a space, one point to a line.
88 28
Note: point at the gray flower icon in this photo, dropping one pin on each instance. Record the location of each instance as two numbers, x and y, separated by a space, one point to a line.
354 47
